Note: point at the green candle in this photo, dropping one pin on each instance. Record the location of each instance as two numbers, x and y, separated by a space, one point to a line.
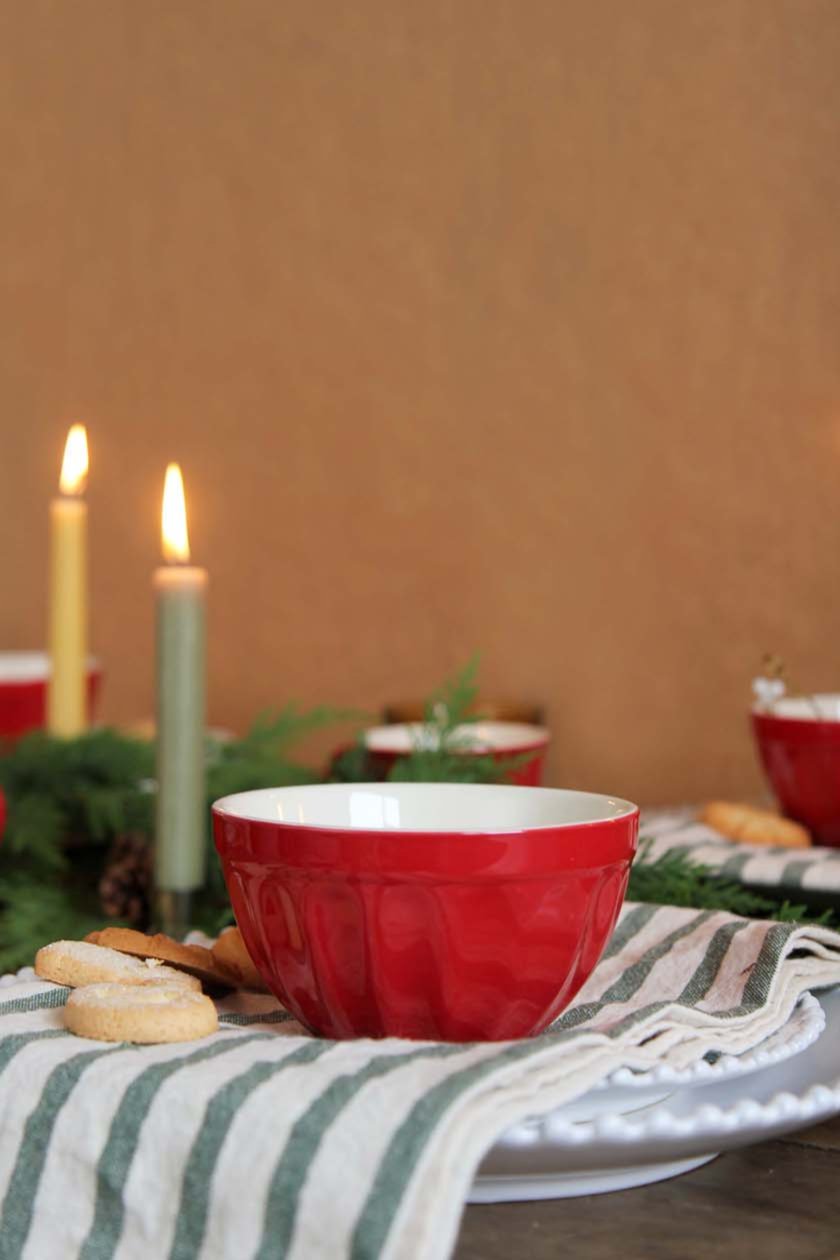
181 839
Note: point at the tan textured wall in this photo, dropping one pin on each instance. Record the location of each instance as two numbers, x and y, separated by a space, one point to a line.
475 324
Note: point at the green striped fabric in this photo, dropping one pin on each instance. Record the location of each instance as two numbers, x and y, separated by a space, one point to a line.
794 871
263 1142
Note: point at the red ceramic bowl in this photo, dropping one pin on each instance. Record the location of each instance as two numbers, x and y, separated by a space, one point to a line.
502 740
799 745
449 912
23 691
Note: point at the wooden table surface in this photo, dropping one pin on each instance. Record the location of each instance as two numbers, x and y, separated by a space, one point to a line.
777 1200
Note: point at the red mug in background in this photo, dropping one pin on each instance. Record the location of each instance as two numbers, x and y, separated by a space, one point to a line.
23 691
502 741
799 745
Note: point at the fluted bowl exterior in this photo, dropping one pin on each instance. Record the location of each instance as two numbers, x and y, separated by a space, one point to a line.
447 935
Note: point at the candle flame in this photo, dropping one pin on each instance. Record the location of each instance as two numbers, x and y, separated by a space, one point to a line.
74 466
174 537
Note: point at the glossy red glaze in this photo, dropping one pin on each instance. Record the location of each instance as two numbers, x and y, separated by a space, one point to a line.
23 703
801 757
448 936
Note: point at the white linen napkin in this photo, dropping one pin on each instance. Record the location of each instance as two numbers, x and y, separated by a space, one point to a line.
262 1141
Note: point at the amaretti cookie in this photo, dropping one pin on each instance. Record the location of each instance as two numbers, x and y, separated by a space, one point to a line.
754 826
149 1014
231 954
77 963
193 959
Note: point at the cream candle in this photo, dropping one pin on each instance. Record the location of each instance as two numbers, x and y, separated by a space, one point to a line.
181 839
66 695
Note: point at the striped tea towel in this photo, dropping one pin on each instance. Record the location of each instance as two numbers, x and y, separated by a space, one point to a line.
792 870
261 1142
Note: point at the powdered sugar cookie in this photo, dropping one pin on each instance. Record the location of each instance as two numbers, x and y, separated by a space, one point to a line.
149 1014
77 963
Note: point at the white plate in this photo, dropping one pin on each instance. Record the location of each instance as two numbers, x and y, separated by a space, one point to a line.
556 1157
625 1091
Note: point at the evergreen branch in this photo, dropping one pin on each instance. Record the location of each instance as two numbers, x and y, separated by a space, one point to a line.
674 880
441 753
35 912
273 732
448 765
451 706
35 834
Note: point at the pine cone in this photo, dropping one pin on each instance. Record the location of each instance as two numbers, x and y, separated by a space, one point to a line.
125 886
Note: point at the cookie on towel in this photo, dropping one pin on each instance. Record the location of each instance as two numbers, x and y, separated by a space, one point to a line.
230 953
77 963
193 959
150 1014
754 826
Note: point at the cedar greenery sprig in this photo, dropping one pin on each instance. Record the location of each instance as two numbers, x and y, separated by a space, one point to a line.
674 880
67 793
261 758
35 912
437 755
438 752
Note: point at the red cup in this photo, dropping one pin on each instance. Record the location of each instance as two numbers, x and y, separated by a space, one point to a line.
500 740
799 746
447 912
23 691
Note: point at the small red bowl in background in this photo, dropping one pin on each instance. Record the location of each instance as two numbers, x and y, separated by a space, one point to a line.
23 691
799 746
500 740
446 912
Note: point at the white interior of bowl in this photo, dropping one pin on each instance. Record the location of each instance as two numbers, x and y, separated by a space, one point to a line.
464 807
27 667
24 666
476 737
819 708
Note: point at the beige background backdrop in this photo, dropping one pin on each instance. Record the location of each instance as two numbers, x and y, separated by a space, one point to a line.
475 325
